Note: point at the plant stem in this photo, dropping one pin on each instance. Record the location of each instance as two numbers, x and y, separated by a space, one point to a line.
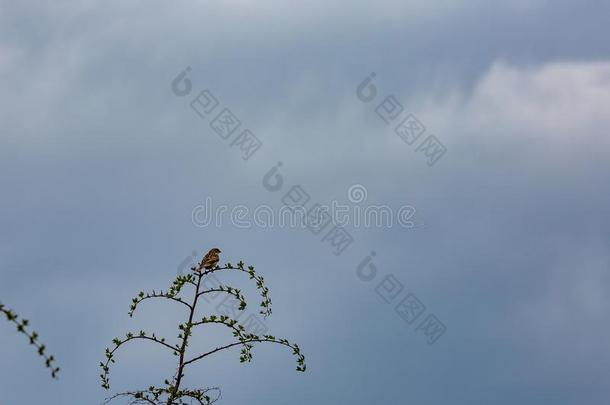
186 332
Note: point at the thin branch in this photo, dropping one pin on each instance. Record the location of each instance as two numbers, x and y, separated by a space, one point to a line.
252 340
228 290
260 283
32 337
118 343
171 294
137 301
186 333
155 396
139 399
153 339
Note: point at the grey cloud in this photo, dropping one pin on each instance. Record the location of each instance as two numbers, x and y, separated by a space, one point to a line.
102 165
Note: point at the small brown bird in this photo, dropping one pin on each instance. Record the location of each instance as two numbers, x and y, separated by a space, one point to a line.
210 260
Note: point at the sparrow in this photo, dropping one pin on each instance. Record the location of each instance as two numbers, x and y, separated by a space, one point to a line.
210 260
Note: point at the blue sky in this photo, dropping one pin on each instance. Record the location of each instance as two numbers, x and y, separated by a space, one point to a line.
102 165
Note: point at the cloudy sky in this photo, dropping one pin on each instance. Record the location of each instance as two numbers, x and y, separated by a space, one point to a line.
103 163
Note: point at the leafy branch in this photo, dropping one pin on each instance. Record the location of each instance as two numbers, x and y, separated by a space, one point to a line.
173 393
22 327
154 395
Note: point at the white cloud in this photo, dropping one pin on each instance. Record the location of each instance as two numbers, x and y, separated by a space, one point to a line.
561 104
